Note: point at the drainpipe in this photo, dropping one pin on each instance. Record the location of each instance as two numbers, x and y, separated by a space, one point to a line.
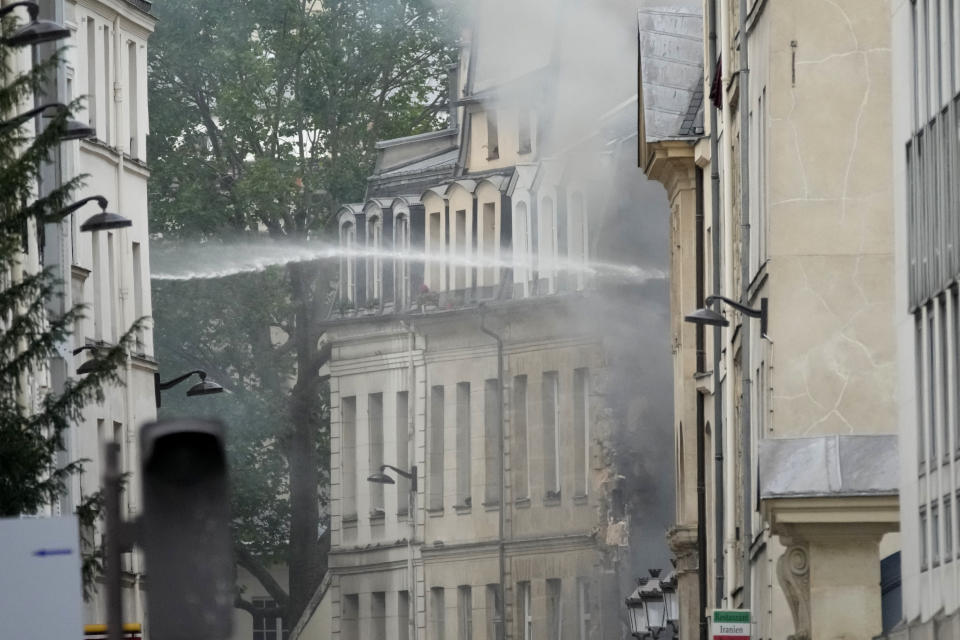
502 614
411 452
745 425
701 436
715 241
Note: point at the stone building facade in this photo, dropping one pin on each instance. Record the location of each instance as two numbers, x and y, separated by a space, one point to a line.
789 207
474 367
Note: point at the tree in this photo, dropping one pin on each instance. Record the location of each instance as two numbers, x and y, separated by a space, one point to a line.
33 418
268 135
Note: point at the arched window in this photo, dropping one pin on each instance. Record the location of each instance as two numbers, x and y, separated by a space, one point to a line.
577 243
401 244
548 240
348 264
522 266
375 259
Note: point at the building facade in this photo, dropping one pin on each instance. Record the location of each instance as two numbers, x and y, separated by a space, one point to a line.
924 151
108 272
466 352
790 505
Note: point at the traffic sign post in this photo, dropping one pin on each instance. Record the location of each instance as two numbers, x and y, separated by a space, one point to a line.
40 579
730 624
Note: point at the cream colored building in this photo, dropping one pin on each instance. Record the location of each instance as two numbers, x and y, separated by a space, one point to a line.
107 271
798 425
483 369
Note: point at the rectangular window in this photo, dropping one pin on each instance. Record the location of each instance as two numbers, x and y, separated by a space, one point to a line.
268 626
465 613
375 450
491 441
493 138
489 242
463 444
955 379
923 540
348 456
494 618
114 299
947 528
919 365
92 72
935 534
519 446
403 615
378 614
551 436
554 609
349 618
581 430
133 100
138 299
403 451
523 128
437 621
931 385
436 448
944 377
584 607
97 277
107 87
525 610
435 247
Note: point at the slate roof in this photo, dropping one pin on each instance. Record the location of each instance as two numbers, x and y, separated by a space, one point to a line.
671 67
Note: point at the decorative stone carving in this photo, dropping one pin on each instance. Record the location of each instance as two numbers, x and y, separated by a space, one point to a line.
793 572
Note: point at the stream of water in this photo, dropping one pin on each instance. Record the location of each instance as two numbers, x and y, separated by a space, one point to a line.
193 262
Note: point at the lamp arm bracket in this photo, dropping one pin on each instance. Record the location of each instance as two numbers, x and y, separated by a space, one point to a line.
169 384
406 474
753 313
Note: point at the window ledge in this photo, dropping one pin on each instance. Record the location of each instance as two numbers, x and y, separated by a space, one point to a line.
522 503
436 512
350 521
580 499
491 506
462 509
551 501
377 515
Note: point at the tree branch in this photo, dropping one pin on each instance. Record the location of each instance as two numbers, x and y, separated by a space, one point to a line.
263 576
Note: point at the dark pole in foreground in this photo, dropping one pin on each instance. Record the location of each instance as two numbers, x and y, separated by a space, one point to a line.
111 491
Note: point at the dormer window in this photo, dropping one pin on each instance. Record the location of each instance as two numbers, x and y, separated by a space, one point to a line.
523 129
493 141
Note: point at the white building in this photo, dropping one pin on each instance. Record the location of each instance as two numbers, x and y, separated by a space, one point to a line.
926 68
107 271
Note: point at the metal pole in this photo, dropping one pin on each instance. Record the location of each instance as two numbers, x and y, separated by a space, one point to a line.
111 491
745 364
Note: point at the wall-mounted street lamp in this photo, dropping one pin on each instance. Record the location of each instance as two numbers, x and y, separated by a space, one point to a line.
74 129
35 31
203 388
710 317
382 478
100 222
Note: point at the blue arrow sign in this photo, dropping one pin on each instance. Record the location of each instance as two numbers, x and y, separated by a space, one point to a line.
52 552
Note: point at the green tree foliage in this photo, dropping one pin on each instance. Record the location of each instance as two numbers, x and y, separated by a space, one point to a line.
34 418
264 115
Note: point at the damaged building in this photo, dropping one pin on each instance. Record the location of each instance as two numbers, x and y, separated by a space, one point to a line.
479 409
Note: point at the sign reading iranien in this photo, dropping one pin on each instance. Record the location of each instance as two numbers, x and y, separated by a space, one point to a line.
730 624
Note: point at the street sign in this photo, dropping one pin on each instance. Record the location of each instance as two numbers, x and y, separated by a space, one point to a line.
730 624
40 579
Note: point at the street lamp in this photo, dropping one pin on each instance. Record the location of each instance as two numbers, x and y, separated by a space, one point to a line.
35 31
93 363
650 606
203 388
102 221
73 130
710 317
